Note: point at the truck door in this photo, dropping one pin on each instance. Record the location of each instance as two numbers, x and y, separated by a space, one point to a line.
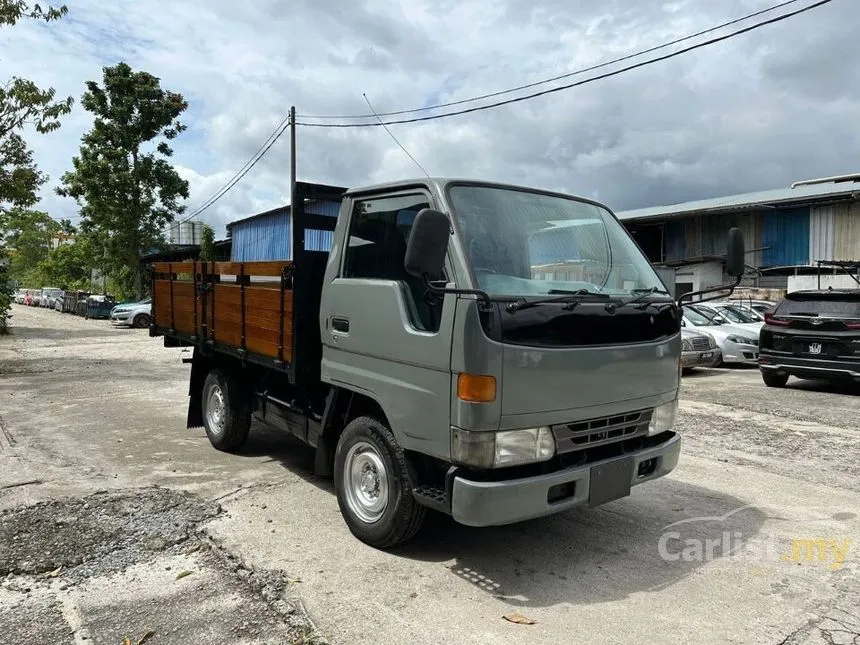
382 334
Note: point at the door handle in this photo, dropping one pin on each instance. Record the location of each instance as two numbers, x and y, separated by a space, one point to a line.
340 324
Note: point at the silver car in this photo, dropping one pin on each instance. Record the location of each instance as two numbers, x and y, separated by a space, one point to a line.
736 345
698 349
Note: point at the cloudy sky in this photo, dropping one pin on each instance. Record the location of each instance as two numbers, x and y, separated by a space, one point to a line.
773 106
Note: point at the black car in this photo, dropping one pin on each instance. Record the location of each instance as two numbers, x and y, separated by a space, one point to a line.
812 334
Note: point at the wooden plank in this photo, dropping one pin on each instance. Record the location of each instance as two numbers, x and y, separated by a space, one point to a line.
267 299
271 269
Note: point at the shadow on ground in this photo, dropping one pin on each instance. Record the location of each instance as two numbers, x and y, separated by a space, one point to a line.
580 556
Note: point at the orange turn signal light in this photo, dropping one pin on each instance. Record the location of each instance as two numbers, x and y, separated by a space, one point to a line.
475 388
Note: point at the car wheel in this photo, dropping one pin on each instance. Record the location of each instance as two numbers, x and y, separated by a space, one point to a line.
772 379
372 484
141 321
226 412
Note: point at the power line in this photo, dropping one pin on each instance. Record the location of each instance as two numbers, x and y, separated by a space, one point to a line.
568 86
554 78
244 170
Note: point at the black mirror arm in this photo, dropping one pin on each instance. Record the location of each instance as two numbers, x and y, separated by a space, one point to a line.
483 295
688 297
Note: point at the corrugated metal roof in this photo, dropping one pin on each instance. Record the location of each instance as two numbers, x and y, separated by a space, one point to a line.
757 200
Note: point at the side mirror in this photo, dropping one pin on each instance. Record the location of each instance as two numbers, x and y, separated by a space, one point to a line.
735 264
720 320
428 244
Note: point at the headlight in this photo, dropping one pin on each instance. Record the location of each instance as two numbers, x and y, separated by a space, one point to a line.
663 418
741 340
686 345
506 448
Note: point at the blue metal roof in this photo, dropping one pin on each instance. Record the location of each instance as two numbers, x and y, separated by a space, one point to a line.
782 197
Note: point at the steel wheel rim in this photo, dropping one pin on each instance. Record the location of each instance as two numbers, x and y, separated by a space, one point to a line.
215 409
365 480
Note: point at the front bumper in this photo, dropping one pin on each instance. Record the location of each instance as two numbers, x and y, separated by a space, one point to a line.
701 359
813 368
475 503
739 353
120 317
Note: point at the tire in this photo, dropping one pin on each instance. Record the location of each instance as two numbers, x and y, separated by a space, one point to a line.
141 321
774 379
367 445
226 411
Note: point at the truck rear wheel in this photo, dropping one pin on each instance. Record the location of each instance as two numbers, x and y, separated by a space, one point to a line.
226 413
372 483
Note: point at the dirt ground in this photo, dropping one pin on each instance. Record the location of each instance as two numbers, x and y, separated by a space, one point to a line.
118 523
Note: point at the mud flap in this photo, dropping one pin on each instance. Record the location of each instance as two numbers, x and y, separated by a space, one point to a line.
199 369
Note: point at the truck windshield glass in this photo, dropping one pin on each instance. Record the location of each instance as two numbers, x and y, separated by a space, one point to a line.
522 243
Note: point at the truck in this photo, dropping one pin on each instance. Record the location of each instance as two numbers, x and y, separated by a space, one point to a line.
433 361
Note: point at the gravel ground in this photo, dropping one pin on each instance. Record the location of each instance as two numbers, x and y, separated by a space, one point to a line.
106 498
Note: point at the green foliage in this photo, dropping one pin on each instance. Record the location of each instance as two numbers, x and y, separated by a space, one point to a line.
28 237
127 189
207 244
67 266
11 11
22 104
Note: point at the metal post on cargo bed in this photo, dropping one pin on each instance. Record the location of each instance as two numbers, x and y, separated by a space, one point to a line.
194 291
211 286
281 317
242 279
172 309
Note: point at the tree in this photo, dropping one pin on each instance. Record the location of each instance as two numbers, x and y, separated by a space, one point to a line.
22 104
207 244
127 189
11 11
29 234
68 266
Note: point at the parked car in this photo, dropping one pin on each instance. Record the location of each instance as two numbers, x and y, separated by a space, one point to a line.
35 297
736 345
49 296
812 334
136 314
759 306
736 315
698 349
20 294
99 306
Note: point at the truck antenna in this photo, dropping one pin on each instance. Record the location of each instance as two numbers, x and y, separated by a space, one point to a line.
382 123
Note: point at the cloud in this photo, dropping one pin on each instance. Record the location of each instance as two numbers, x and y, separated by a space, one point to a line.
757 112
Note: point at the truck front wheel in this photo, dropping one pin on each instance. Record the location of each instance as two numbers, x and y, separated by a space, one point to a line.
226 413
373 489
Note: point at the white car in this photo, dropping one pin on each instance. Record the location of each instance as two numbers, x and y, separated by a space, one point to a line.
136 314
730 314
736 345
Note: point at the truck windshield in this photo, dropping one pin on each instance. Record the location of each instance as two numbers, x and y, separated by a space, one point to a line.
522 243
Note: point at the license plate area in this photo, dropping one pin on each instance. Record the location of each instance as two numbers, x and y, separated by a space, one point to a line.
610 481
706 355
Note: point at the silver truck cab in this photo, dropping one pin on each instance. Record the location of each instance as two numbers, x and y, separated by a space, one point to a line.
535 369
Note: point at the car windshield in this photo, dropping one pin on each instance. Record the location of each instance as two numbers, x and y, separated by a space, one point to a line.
736 315
697 317
836 307
524 243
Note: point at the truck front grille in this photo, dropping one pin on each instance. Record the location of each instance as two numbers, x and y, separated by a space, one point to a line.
570 437
700 344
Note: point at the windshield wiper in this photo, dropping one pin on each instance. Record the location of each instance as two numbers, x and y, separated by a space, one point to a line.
612 307
573 298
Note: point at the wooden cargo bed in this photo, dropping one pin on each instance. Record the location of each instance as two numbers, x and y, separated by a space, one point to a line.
245 308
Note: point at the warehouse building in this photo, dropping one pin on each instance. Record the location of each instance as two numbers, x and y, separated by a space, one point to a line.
787 232
268 235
